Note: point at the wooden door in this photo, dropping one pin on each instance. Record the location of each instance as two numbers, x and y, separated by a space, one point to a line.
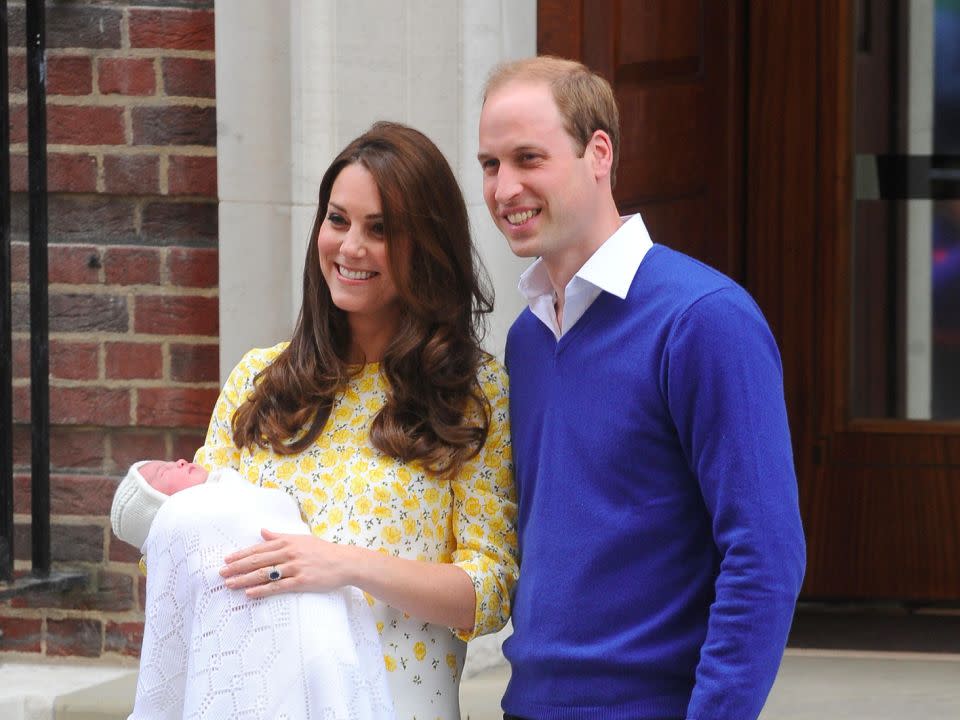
738 149
675 67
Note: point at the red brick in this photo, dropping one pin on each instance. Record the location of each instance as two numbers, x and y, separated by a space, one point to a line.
194 363
19 634
171 28
81 494
185 445
123 638
193 267
74 360
72 544
78 313
189 77
192 176
131 174
76 448
127 447
90 406
69 494
78 638
21 406
175 407
94 219
19 262
69 75
180 223
21 357
126 76
71 173
18 123
17 73
105 591
131 266
73 264
175 125
123 552
129 361
85 125
166 315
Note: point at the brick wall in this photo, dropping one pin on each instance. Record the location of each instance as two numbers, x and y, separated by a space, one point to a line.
133 292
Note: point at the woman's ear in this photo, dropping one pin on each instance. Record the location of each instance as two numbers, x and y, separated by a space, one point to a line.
600 150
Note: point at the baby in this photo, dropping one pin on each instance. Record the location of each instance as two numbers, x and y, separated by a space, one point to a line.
212 652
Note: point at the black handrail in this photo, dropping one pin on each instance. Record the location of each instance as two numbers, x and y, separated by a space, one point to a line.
39 300
6 325
40 577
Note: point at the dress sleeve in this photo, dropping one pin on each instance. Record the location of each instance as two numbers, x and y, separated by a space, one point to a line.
485 514
219 450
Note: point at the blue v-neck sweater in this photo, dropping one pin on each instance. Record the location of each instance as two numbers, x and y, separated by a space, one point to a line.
660 538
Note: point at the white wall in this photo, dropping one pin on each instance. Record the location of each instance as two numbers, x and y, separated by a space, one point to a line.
296 81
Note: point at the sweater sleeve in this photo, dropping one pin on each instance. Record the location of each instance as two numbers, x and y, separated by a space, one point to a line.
219 450
485 514
724 385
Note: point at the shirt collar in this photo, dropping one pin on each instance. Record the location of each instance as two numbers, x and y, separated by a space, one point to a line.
610 268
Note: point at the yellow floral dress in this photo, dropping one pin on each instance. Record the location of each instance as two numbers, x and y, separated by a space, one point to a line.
350 492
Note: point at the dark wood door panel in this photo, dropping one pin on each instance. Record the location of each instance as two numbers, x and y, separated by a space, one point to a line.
880 531
680 93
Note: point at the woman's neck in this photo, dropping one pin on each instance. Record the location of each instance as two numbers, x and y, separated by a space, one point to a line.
369 338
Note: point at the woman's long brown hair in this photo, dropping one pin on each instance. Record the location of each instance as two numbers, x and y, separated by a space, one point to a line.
436 412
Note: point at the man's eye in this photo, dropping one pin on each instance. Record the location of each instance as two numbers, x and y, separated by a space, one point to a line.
489 166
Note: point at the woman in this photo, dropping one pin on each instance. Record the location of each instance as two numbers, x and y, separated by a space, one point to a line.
385 420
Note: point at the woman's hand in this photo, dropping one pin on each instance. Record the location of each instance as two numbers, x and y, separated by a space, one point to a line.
305 562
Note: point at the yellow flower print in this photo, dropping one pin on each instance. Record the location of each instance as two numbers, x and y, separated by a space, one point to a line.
328 458
490 507
270 484
482 485
431 495
391 534
320 528
308 464
428 531
451 661
399 489
340 494
330 476
390 663
381 494
309 507
371 600
341 436
358 485
472 507
419 650
382 512
364 505
492 459
377 473
302 483
354 527
411 502
320 494
373 405
409 527
380 627
336 516
404 476
496 523
475 530
252 475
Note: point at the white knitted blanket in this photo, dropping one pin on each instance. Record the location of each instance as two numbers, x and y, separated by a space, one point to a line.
210 652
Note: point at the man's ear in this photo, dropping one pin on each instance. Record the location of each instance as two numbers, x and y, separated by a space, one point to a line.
600 151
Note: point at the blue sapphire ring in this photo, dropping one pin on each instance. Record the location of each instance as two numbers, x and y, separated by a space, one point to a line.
274 574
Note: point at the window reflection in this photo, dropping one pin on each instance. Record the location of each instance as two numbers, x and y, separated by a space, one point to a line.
905 336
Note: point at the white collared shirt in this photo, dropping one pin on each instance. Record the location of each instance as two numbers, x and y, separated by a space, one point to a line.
611 268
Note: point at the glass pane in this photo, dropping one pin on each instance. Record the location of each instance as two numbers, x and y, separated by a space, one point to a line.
905 346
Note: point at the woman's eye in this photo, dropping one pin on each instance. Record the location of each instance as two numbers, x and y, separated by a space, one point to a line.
336 219
377 229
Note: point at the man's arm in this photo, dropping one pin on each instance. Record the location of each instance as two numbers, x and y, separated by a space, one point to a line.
725 391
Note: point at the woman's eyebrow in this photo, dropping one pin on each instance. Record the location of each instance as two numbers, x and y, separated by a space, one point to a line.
372 216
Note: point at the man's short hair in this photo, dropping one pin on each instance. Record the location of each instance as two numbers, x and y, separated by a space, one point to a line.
585 99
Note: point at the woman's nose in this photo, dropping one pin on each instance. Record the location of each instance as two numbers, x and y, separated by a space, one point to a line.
353 244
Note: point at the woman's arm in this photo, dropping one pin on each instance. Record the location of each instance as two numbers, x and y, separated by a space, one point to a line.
440 593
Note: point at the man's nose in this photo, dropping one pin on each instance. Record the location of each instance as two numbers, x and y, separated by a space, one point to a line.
508 186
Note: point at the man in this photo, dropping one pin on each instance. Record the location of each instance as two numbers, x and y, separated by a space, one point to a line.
660 537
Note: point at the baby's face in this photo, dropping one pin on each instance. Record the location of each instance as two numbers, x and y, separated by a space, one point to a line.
172 476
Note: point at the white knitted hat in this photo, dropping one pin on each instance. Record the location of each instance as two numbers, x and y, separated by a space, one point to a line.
134 505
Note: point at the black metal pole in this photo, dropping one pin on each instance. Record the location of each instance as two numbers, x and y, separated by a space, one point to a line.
6 323
39 302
